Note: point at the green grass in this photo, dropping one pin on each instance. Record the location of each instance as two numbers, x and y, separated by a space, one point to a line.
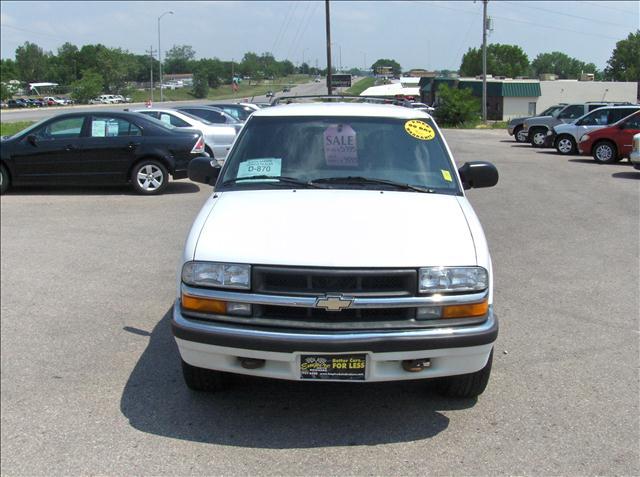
245 90
9 129
361 85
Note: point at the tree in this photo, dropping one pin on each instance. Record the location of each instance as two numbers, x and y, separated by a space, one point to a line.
4 92
502 60
31 63
8 70
89 86
200 82
456 106
395 66
560 64
178 59
624 64
63 67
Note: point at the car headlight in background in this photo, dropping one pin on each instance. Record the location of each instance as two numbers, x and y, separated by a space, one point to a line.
219 275
584 138
452 279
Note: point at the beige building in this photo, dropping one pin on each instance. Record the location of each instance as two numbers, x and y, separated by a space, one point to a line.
574 91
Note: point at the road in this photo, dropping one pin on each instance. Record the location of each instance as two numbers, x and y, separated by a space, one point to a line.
91 382
37 114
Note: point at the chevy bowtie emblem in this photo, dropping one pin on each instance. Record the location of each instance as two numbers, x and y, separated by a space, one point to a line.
334 302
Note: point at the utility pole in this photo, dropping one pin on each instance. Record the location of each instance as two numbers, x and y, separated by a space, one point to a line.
160 53
328 28
484 60
151 54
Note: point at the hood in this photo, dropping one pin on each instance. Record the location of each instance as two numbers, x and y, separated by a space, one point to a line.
336 228
518 120
537 118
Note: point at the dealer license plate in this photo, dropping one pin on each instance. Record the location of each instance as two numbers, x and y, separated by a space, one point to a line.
349 367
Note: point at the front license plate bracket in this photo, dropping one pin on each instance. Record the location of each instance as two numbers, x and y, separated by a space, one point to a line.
341 367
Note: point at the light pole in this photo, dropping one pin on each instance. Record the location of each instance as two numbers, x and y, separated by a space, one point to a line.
160 53
364 65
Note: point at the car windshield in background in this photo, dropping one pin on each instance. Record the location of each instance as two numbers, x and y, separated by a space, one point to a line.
196 118
340 152
159 123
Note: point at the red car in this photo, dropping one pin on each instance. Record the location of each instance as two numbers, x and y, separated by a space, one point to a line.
612 143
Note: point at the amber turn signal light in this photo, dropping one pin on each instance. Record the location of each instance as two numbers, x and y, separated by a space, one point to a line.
466 311
204 305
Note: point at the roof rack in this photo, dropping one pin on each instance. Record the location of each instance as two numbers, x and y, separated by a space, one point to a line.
334 97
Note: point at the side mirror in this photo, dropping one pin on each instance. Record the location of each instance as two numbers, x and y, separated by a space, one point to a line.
204 170
31 139
477 174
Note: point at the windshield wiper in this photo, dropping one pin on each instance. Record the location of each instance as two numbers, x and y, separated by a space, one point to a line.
284 179
370 180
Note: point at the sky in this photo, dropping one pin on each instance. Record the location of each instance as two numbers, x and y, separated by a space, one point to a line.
417 34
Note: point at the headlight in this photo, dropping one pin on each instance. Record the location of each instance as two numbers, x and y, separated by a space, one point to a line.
584 138
452 279
212 274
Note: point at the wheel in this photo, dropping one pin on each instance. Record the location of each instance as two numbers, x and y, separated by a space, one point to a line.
466 385
209 151
149 177
5 180
537 137
566 145
200 379
519 134
605 152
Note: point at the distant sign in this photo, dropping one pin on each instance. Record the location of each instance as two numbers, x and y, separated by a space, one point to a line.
340 81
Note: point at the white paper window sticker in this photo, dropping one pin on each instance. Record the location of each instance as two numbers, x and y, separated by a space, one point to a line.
266 166
98 128
340 146
165 118
112 128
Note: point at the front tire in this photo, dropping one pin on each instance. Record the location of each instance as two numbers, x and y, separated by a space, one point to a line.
605 152
519 134
566 145
149 177
466 385
5 180
537 137
204 380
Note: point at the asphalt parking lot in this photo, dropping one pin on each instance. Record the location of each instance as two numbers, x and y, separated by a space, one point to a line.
91 382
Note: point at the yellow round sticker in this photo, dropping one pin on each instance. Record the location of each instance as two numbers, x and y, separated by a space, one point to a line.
419 130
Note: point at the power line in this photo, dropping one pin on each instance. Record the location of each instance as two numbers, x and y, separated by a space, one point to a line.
609 7
537 8
295 37
528 23
284 20
286 27
301 32
31 32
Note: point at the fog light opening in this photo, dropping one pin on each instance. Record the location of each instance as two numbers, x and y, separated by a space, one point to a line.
416 365
251 363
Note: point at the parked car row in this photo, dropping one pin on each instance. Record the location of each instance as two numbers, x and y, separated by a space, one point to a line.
603 130
37 102
142 147
110 99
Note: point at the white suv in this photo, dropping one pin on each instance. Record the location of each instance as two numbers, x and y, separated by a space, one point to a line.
338 245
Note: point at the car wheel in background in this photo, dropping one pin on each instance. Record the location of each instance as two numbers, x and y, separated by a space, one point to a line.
149 177
537 137
519 134
604 152
465 385
4 179
566 145
200 379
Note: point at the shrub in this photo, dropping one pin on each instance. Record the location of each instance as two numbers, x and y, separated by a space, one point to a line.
200 83
456 106
89 86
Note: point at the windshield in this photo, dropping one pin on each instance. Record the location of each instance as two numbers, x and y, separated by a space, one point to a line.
340 152
196 118
550 111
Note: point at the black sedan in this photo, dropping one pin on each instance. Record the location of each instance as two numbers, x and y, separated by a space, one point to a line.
99 148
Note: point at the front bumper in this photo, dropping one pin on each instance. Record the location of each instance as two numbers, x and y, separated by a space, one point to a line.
634 157
510 130
218 346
